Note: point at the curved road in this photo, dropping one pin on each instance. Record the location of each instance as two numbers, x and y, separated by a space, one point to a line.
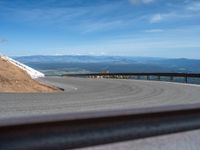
97 94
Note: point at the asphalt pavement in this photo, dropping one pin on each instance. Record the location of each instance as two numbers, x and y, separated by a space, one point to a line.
83 95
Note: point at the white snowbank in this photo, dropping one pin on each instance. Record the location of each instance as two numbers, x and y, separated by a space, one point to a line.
32 72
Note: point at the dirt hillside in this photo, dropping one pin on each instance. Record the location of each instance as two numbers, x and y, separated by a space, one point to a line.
14 79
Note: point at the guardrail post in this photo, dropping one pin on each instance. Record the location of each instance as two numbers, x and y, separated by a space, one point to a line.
158 78
148 77
186 79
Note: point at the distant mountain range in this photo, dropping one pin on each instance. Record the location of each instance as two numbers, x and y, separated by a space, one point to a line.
85 59
84 63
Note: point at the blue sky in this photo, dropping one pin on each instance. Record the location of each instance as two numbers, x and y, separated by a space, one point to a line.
155 28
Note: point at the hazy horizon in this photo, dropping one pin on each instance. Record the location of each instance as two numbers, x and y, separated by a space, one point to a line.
89 55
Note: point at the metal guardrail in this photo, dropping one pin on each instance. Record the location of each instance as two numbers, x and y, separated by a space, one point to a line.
67 131
113 75
194 75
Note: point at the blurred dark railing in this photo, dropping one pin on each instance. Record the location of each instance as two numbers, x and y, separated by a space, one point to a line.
138 75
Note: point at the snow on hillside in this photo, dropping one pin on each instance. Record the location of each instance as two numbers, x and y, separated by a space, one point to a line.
32 72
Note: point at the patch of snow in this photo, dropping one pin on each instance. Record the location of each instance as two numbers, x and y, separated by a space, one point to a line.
32 72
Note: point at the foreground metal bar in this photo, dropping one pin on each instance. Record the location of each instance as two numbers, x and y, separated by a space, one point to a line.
88 131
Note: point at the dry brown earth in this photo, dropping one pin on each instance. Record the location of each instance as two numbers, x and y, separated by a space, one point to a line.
14 79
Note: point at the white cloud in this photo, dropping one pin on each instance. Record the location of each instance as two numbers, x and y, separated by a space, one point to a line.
101 25
194 6
154 30
156 18
141 1
147 1
190 9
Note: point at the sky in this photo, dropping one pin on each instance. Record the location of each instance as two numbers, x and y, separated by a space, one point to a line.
153 28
